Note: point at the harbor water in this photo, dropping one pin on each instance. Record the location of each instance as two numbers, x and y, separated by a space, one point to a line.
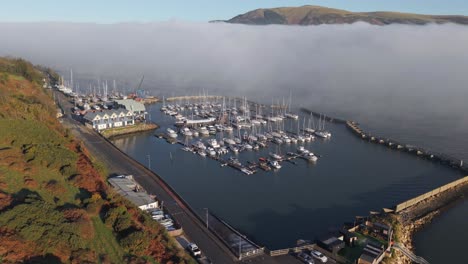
299 201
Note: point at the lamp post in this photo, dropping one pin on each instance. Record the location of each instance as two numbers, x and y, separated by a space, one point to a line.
206 216
149 161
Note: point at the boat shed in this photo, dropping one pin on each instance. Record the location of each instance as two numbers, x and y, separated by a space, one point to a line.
137 108
128 188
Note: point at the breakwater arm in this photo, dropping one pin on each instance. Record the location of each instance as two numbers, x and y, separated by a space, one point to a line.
326 117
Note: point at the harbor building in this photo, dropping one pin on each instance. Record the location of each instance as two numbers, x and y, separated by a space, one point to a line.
126 186
137 108
332 243
101 120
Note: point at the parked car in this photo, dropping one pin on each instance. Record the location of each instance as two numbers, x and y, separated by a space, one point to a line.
157 212
194 250
158 217
305 258
318 255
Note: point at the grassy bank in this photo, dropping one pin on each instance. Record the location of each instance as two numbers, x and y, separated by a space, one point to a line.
55 205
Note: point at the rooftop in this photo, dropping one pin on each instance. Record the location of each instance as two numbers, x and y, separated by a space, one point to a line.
367 257
91 115
131 105
332 241
126 187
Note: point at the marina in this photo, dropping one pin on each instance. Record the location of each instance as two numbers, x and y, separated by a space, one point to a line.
227 130
300 194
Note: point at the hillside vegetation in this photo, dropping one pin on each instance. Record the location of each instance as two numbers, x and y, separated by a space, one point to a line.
55 205
316 15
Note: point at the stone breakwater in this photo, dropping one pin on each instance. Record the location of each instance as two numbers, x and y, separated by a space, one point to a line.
415 218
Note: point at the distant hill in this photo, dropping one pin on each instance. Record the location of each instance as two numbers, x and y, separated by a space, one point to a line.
317 15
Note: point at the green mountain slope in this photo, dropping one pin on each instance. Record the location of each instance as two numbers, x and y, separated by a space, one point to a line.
316 15
55 206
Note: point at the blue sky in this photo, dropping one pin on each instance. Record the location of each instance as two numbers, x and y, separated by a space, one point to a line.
111 11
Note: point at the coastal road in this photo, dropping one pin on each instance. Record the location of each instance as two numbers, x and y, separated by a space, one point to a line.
119 163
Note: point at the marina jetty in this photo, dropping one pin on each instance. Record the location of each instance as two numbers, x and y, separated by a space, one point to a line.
192 97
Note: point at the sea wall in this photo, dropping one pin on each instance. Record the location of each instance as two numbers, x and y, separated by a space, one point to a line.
119 131
401 206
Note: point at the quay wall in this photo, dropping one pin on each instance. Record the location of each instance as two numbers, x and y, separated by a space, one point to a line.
285 251
400 207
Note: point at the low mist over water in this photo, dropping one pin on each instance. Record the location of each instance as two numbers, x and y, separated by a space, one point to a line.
407 82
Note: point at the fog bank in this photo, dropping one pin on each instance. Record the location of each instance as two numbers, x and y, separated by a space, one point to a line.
397 75
250 58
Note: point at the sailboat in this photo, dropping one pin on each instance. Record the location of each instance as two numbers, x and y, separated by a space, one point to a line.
290 114
276 155
322 133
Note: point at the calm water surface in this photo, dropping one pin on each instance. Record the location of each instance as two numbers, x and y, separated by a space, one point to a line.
299 201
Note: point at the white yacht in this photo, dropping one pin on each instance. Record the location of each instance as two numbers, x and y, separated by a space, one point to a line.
255 122
275 164
229 141
186 132
323 134
203 131
211 152
310 156
292 116
237 140
246 171
213 143
248 146
302 150
261 137
199 145
252 138
275 156
171 133
223 150
234 149
278 141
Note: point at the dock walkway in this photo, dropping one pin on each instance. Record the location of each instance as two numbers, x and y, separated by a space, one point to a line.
409 254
